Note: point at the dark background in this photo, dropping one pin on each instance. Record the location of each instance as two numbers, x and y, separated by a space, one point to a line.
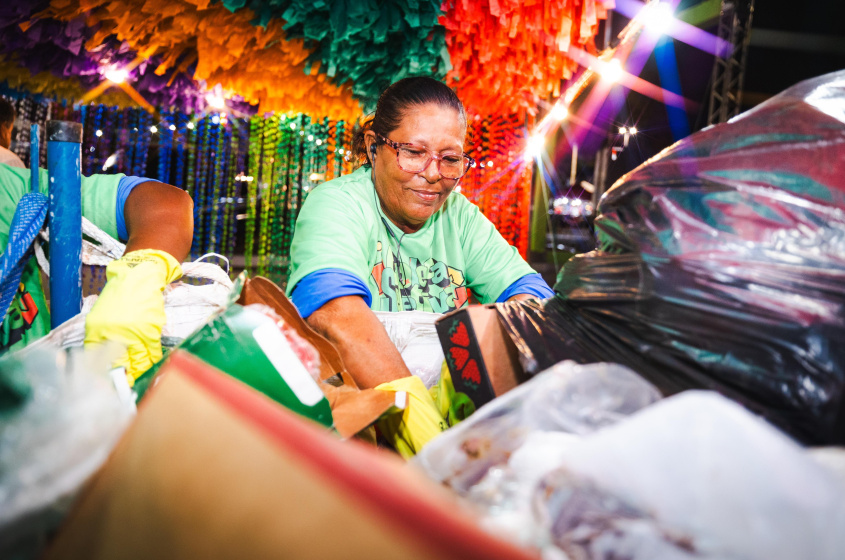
790 41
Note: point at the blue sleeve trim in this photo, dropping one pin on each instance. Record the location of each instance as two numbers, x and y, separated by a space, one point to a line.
124 187
532 284
322 286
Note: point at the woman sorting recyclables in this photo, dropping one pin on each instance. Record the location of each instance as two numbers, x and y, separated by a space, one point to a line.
394 236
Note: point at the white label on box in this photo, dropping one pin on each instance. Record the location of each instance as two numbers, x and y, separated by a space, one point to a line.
281 355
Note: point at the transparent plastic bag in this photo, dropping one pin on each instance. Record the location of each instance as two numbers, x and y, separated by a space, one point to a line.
415 336
693 476
64 419
497 456
567 398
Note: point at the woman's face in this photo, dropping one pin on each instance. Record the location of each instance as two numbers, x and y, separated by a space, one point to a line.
409 199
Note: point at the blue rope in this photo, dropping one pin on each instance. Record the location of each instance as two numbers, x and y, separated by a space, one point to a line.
26 223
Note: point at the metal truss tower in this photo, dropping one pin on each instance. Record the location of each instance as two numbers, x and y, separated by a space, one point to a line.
729 65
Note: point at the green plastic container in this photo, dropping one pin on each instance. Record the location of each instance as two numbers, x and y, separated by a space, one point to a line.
250 347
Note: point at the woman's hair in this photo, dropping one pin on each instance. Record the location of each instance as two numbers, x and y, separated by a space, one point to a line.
396 100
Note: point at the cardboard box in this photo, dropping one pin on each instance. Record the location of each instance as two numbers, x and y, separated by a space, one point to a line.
213 469
482 359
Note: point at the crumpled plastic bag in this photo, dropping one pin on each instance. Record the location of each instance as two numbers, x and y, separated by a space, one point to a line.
693 476
60 417
567 398
415 336
497 456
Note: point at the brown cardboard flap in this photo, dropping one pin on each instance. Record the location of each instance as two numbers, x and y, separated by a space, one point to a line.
262 290
355 410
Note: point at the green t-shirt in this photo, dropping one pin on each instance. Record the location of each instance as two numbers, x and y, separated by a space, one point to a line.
457 249
28 317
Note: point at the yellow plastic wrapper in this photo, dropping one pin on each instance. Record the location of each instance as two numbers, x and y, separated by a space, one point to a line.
418 423
453 406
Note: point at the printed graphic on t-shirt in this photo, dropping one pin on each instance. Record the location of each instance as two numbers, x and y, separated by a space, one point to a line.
429 285
19 319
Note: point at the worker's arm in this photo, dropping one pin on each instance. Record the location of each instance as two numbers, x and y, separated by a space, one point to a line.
159 216
130 309
367 352
374 362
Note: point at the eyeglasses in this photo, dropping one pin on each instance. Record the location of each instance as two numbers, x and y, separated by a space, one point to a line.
415 159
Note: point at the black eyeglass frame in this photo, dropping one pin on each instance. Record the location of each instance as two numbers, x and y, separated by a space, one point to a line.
431 156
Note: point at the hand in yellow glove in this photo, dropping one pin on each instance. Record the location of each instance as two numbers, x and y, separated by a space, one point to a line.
418 423
130 309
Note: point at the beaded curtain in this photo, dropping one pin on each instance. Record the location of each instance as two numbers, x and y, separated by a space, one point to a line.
500 184
29 112
251 173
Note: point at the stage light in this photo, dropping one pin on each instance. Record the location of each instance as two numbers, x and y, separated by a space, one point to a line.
215 119
190 126
110 161
535 145
154 129
559 112
115 76
172 127
623 130
611 71
215 101
656 17
632 130
98 133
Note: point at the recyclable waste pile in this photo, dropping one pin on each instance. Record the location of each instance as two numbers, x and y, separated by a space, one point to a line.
584 462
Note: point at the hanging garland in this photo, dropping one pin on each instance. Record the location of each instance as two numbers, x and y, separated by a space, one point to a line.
365 45
256 128
220 46
506 54
280 192
30 112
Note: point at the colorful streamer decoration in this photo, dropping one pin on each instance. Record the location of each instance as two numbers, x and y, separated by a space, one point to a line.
294 76
508 54
221 47
247 177
368 46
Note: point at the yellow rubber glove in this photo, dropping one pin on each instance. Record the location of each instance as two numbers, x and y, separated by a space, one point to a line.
418 423
130 309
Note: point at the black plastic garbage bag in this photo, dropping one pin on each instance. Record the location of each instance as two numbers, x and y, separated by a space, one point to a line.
722 266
